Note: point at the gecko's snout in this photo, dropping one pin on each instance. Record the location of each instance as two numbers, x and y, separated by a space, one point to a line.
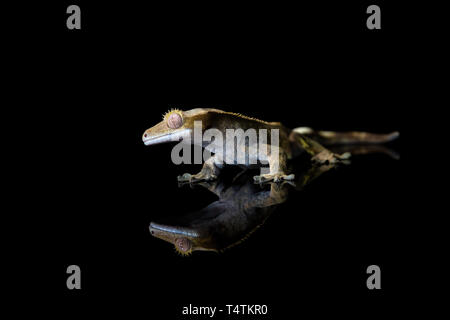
178 236
146 137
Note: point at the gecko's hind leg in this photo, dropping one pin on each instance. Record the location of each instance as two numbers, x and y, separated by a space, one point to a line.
319 154
210 171
328 157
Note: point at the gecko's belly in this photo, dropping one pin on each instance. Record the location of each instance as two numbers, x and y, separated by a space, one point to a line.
240 154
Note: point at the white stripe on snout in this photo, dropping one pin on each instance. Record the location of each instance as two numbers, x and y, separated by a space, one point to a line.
174 230
171 137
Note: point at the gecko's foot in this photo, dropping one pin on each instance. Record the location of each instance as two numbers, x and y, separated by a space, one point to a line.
273 178
185 178
328 157
196 178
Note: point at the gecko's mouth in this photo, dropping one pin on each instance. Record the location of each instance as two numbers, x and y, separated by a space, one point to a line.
157 140
165 138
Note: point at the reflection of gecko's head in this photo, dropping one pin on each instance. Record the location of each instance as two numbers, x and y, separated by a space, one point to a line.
185 240
176 125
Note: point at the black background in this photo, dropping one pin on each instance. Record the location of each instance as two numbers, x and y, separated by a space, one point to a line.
97 89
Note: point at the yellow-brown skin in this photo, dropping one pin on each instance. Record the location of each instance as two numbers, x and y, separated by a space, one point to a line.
220 120
178 125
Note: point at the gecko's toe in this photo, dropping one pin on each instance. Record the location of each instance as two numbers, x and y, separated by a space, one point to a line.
290 177
345 156
259 179
185 177
193 179
277 178
283 177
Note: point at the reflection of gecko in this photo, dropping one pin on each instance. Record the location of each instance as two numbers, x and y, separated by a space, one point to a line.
241 208
179 125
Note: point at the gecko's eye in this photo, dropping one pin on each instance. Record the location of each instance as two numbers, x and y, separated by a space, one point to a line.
174 121
183 245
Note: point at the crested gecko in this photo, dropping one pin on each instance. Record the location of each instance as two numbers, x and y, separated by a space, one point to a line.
178 125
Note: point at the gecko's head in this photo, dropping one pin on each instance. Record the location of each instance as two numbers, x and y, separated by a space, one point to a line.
176 126
172 128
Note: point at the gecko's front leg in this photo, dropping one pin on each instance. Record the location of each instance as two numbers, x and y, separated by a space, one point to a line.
210 171
278 167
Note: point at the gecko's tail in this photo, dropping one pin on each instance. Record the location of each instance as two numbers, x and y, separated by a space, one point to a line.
328 138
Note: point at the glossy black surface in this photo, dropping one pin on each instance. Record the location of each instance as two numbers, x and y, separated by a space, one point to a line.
94 187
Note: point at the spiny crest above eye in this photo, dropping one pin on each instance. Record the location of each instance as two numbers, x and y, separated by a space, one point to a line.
182 253
170 112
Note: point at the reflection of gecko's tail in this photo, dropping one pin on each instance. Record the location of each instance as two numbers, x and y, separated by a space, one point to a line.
353 137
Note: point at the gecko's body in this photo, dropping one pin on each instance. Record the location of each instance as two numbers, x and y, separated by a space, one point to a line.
179 125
